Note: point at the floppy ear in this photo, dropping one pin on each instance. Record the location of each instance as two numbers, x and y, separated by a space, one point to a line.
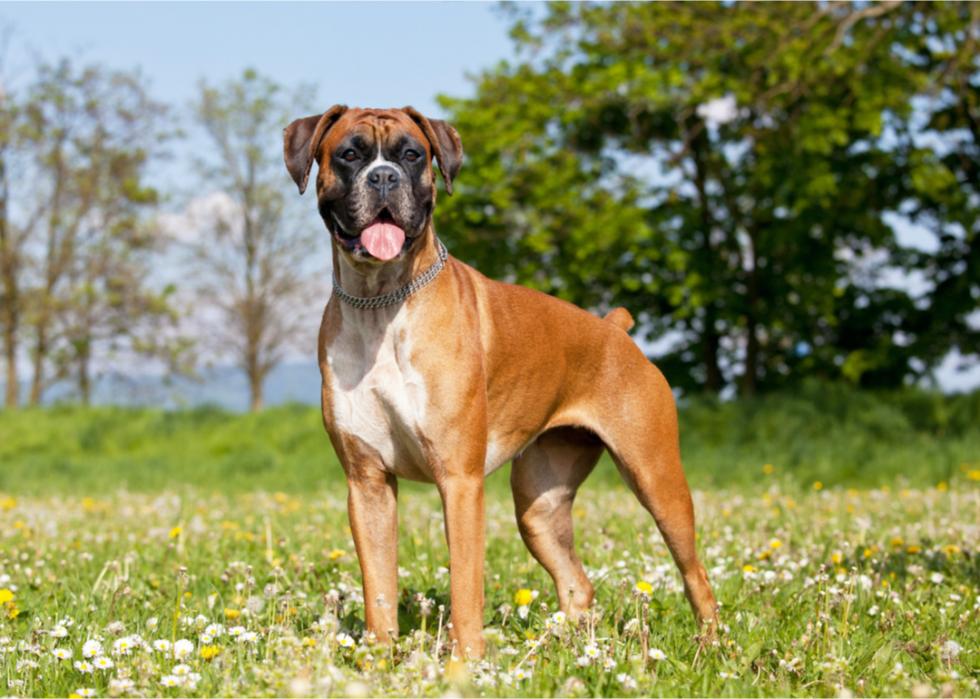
445 143
302 138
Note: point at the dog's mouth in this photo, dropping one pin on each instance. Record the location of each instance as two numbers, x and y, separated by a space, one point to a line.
382 238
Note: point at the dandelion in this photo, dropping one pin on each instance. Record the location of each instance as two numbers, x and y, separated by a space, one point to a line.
175 532
523 597
775 544
950 651
232 614
336 553
656 654
644 588
837 557
6 595
62 653
210 652
183 648
973 474
103 663
768 469
817 485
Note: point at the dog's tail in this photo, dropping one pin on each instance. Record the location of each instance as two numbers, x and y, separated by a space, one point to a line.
621 318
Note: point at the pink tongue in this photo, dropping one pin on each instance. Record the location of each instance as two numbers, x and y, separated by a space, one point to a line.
383 240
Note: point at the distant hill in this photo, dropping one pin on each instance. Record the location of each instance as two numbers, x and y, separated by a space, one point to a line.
295 382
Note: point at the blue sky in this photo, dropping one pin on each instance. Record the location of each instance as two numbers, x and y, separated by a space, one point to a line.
363 54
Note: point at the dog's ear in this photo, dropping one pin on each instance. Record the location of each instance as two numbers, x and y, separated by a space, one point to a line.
301 140
445 143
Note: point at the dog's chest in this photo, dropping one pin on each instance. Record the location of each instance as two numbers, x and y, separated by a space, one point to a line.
377 395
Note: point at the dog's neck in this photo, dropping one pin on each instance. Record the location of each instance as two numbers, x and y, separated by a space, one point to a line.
368 279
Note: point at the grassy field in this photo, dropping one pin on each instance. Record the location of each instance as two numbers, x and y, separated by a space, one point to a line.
200 553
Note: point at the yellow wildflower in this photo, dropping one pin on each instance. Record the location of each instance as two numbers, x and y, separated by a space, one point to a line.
209 652
898 542
942 486
523 597
837 557
8 502
232 614
309 642
175 532
817 485
644 588
335 554
973 474
775 544
913 549
748 568
768 469
6 596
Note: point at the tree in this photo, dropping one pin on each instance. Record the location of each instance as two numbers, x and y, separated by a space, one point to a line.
252 256
722 170
75 255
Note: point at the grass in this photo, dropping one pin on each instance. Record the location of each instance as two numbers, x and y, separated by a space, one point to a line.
821 433
839 531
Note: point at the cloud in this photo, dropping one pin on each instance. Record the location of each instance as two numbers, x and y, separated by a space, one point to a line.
200 213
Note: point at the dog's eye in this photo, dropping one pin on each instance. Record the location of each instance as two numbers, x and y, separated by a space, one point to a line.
411 155
350 155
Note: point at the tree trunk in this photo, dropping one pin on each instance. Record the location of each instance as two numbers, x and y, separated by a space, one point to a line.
10 295
40 352
255 381
750 377
12 389
710 341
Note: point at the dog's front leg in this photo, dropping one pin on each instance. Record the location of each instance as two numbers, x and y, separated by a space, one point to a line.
462 499
372 504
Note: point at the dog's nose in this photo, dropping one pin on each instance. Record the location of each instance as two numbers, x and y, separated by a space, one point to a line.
383 178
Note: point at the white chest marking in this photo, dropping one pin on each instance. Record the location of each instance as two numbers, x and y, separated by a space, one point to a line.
377 395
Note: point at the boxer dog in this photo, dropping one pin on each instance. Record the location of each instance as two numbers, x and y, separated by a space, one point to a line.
435 373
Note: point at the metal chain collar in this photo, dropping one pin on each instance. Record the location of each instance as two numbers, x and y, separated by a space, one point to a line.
398 295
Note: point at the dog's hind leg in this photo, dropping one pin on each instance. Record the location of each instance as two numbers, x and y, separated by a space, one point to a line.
544 480
645 446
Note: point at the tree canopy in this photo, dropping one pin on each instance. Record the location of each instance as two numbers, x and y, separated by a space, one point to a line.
742 177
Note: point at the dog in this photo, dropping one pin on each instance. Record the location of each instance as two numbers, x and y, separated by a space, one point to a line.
433 372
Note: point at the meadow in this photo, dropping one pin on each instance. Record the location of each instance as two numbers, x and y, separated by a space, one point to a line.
200 553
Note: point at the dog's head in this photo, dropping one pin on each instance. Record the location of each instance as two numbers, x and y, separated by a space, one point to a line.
375 186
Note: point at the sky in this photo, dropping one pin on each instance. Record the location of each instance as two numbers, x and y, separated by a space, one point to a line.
360 54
